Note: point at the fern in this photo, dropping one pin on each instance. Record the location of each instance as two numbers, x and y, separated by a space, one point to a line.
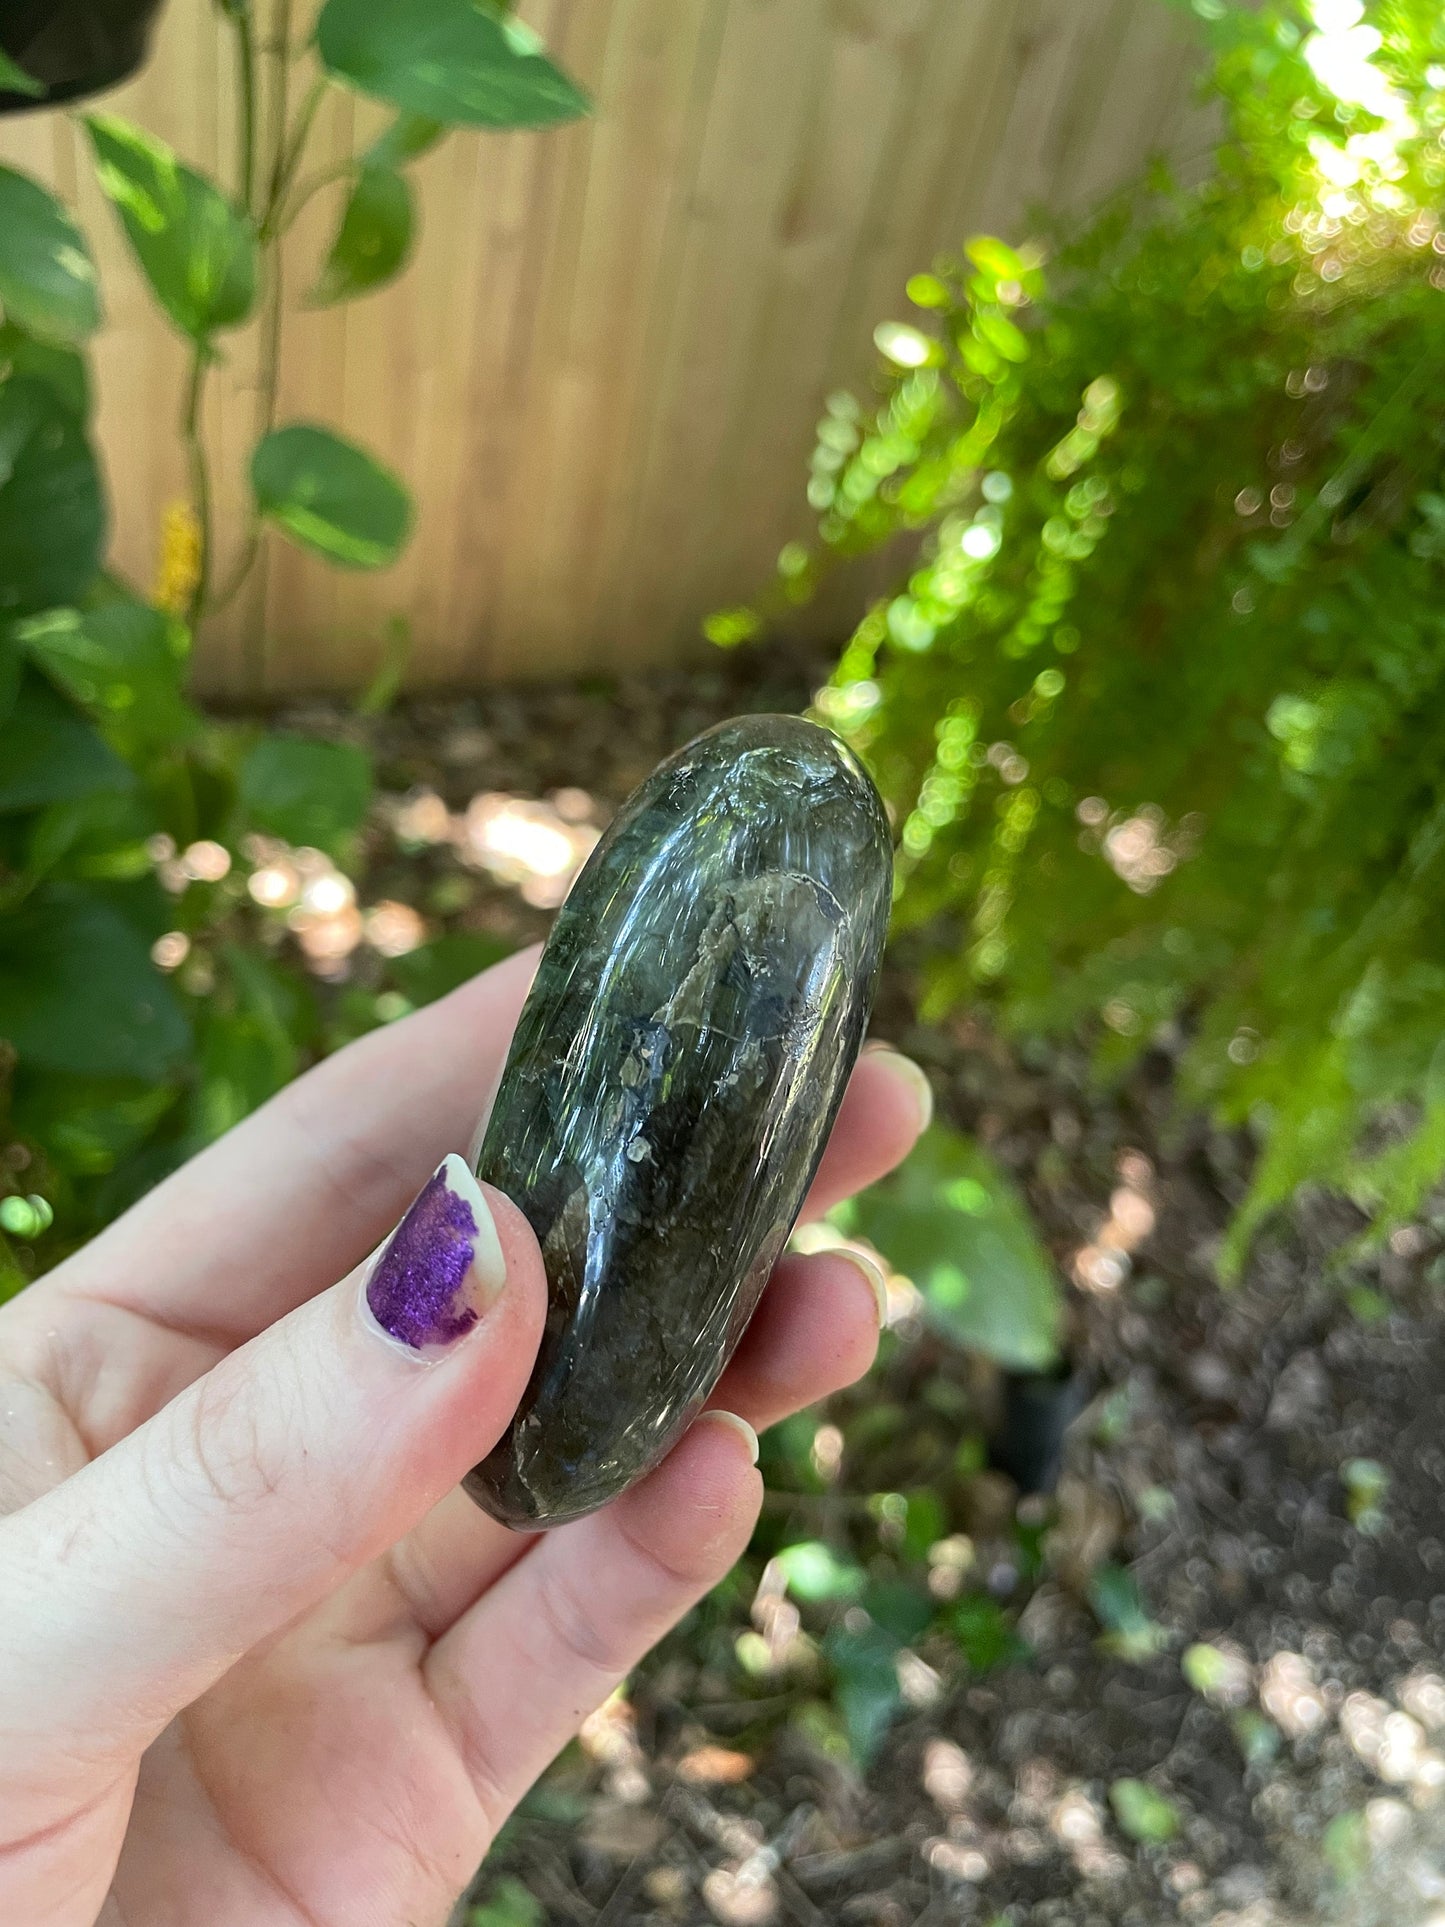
1160 707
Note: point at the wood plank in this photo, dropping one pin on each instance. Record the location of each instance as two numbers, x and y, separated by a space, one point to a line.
601 373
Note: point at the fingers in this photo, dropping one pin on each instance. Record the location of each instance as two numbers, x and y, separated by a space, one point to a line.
815 1331
518 1673
303 1189
335 1156
129 1589
887 1105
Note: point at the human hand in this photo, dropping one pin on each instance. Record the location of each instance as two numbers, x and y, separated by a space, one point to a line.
262 1664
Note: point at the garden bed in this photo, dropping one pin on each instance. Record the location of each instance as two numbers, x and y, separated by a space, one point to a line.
1232 1606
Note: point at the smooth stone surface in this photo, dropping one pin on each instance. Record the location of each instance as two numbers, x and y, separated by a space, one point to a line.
670 1088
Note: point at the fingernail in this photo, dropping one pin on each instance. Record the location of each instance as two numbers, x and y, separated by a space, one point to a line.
739 1425
443 1265
868 1267
913 1075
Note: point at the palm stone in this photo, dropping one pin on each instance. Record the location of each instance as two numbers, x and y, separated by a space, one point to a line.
670 1087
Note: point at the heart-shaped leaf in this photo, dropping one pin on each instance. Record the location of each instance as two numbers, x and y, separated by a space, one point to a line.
330 496
57 368
47 278
15 80
952 1222
79 993
373 240
51 755
198 251
306 791
122 661
450 60
52 515
408 136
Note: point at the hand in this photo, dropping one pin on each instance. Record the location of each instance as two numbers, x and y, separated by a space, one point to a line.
261 1663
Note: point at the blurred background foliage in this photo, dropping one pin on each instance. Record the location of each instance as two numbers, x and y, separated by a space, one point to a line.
1158 704
172 887
1173 488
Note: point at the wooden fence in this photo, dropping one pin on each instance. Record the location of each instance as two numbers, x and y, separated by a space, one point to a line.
601 371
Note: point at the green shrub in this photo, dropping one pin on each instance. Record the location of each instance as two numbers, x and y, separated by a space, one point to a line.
1159 707
158 867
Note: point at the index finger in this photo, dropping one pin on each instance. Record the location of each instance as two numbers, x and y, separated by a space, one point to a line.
297 1194
302 1189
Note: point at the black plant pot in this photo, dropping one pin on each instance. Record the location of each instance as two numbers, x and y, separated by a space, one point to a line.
1038 1409
73 47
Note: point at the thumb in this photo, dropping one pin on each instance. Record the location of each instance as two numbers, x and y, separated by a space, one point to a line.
127 1590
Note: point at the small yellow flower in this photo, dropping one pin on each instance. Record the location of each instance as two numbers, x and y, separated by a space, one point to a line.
180 563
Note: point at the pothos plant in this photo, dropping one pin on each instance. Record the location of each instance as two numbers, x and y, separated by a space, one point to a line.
1158 705
128 820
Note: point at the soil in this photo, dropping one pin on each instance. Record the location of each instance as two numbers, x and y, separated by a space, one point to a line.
1266 1462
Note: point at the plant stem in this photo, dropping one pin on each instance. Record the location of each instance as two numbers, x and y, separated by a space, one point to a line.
278 51
311 186
288 159
200 474
246 105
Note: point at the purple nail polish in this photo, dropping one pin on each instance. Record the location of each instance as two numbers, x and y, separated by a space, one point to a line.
422 1290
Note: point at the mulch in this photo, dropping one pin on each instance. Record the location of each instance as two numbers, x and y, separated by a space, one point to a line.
1265 1462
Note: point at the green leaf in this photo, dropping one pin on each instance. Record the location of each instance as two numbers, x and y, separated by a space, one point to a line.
434 969
866 1684
27 1218
1119 1608
374 238
951 1221
98 838
985 1637
250 1041
197 250
408 137
305 791
60 369
48 754
1144 1814
15 80
330 496
122 661
508 1905
450 60
52 515
996 257
11 664
815 1572
89 1124
79 993
1345 1846
901 1610
47 278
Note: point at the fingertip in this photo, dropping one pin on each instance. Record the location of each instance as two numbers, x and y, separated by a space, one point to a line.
815 1332
523 1303
871 1272
739 1425
696 1512
885 1109
908 1083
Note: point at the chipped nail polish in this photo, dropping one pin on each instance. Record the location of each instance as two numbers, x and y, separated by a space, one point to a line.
441 1267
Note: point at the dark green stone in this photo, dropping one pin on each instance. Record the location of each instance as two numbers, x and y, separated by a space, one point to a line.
670 1088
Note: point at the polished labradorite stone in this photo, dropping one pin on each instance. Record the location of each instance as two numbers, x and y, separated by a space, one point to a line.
670 1087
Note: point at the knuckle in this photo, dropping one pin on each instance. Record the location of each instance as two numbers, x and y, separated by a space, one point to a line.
591 1642
225 1457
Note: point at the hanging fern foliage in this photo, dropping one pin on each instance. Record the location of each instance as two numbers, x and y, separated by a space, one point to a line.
1160 708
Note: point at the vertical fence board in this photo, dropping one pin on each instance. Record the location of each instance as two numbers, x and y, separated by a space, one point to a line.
601 370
